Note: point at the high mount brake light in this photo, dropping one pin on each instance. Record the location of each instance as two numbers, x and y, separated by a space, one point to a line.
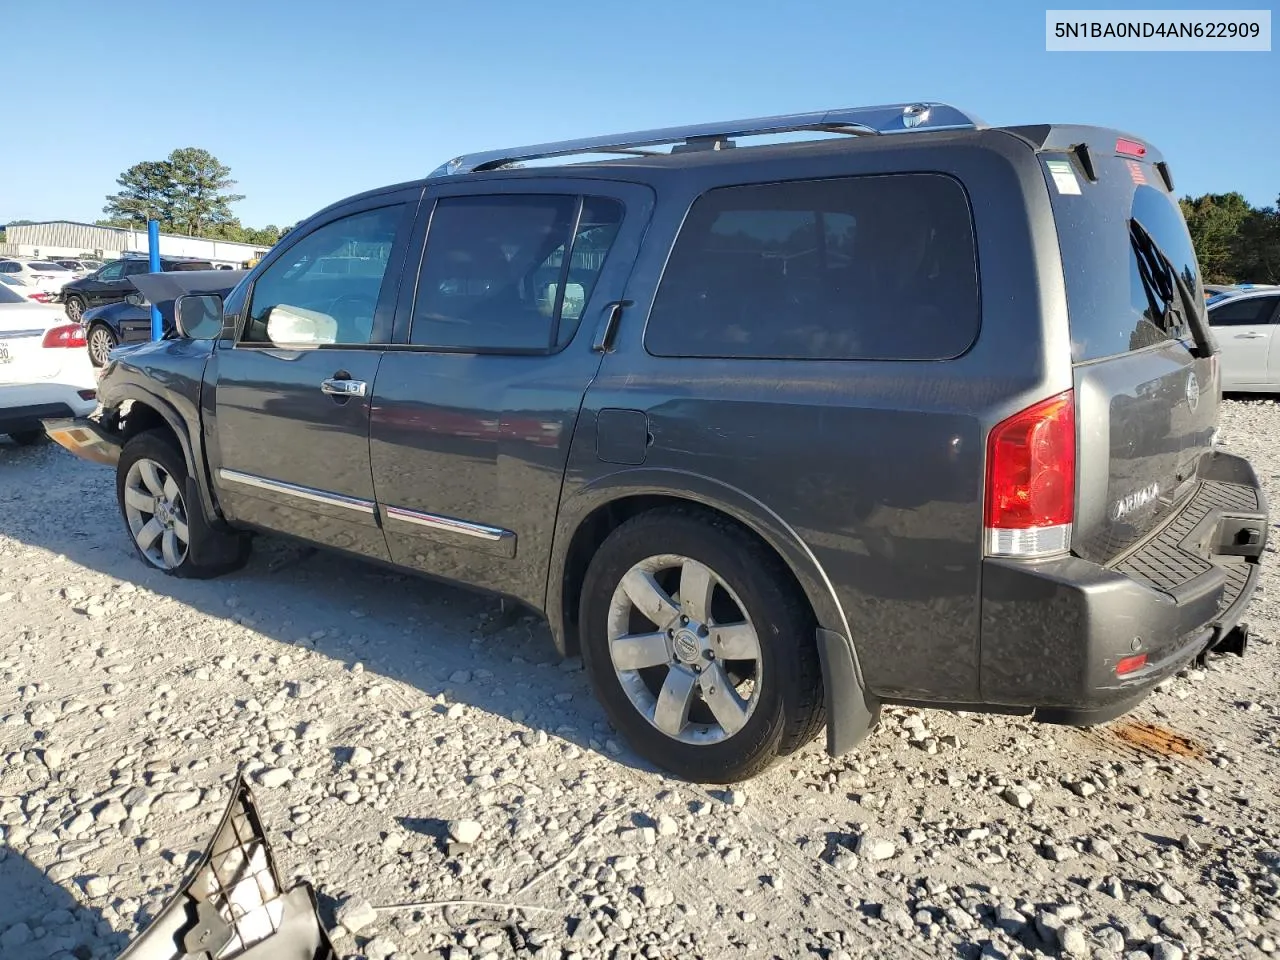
1130 148
1031 480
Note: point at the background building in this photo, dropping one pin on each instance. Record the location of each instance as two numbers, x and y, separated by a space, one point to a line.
66 238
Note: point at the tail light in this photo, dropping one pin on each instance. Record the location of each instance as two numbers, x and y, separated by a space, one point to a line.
41 297
1031 480
67 335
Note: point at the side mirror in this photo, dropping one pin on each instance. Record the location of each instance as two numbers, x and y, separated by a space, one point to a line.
198 318
136 300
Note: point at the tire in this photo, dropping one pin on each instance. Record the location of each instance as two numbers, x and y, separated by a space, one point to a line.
152 468
75 308
774 697
25 438
101 341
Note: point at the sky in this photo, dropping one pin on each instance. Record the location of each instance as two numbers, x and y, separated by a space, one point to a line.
311 102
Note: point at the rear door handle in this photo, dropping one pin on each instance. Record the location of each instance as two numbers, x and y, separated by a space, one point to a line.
344 388
602 342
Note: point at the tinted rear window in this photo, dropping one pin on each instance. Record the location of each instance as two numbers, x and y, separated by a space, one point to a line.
45 265
1112 310
854 268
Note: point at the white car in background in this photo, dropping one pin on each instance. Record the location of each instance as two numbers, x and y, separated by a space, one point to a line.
1245 326
44 367
16 283
45 274
78 268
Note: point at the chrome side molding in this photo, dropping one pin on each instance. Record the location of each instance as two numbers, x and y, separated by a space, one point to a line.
365 507
448 524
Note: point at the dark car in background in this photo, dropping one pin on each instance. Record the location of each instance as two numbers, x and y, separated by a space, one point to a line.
129 320
110 283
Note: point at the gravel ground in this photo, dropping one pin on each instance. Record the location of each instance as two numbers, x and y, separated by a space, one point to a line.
376 715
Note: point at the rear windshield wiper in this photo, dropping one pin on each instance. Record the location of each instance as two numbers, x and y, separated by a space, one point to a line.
1160 275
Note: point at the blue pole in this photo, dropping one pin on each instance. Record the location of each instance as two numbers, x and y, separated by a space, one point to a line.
153 248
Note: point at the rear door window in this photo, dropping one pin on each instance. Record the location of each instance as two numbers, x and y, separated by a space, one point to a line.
1238 312
852 268
494 274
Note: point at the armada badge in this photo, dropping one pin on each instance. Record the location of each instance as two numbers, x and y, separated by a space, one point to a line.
1134 501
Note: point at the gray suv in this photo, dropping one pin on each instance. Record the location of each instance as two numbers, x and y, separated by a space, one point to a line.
914 411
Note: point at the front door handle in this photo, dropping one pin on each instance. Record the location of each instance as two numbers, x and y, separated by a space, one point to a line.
342 387
1249 336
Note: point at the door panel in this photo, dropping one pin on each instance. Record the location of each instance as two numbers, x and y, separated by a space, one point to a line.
293 458
292 395
1244 328
474 409
108 285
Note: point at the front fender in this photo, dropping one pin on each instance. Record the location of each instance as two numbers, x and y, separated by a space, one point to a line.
167 376
850 709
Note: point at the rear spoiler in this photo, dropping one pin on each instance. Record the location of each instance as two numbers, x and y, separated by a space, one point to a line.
1085 144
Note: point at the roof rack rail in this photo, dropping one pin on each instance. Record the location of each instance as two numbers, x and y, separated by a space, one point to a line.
856 121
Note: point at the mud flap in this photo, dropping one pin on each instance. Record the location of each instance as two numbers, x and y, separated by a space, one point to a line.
852 713
232 905
209 545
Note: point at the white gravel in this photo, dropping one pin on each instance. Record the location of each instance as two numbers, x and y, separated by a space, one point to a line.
408 745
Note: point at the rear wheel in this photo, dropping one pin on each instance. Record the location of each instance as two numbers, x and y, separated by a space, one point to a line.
101 342
25 438
699 646
75 309
151 487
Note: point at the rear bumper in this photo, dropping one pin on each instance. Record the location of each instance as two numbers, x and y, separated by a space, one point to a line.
1053 632
24 405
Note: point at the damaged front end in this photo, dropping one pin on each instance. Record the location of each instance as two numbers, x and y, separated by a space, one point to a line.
233 906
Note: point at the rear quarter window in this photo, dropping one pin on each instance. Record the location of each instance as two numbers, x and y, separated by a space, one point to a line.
851 268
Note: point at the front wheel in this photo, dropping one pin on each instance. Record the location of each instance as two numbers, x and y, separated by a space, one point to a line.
700 646
151 487
101 342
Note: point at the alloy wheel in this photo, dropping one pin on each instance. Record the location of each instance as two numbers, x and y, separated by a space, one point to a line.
156 514
684 649
101 343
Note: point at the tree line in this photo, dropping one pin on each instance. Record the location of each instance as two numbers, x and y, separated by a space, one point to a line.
1235 242
189 192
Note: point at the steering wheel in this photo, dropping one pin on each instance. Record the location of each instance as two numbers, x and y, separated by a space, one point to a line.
354 323
362 299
